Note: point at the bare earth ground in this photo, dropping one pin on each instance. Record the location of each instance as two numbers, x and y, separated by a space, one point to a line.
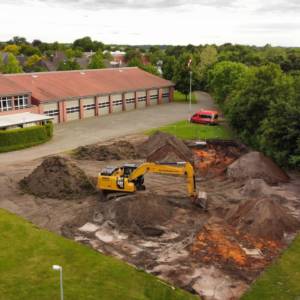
166 253
162 248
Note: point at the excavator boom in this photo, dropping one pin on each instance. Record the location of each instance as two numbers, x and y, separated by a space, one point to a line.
181 168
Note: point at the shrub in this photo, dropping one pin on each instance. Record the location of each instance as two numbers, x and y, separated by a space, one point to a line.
16 139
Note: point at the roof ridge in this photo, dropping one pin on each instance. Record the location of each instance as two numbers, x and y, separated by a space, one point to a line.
67 71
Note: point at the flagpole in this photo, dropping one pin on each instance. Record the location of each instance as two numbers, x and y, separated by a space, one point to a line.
190 106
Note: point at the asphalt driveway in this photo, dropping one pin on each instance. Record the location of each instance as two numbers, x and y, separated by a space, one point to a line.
70 135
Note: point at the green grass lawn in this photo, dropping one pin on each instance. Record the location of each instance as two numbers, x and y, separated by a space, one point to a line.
282 280
28 253
191 131
179 97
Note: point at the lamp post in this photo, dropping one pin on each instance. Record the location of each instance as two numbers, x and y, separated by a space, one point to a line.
59 268
190 102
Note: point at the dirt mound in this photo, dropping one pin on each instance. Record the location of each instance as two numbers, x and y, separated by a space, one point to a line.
162 146
58 177
222 244
257 188
115 151
142 214
256 165
264 218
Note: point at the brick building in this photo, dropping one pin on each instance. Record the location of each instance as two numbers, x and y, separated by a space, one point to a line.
72 95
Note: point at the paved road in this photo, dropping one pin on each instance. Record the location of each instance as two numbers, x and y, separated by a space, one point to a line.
70 135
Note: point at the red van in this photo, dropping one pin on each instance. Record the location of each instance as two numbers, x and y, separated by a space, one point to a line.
205 117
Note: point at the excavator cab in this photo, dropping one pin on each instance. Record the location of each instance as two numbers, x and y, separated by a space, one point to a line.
128 169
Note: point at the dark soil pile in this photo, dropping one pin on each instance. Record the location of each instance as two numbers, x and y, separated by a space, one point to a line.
256 165
115 151
142 214
162 146
264 218
59 178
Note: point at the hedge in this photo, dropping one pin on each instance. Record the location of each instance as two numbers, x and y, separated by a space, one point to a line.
17 139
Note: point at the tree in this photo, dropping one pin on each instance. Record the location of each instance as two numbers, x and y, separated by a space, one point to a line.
1 64
280 132
223 79
275 55
31 62
182 74
29 50
12 65
18 40
155 55
168 67
202 61
13 49
133 57
97 61
68 65
36 43
135 62
150 69
250 103
85 44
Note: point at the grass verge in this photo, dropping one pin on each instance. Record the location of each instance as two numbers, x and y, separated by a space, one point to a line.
190 131
27 254
179 97
281 280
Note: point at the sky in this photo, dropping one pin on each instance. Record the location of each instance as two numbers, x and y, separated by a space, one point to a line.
176 22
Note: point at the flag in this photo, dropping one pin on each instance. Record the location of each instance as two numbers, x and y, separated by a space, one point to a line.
189 63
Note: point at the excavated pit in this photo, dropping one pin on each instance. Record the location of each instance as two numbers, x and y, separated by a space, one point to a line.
160 231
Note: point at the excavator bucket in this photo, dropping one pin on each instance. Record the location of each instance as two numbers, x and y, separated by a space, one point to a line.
201 200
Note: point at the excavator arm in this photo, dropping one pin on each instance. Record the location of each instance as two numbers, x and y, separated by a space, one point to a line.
182 169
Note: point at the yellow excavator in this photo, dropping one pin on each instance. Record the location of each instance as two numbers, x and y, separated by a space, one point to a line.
130 178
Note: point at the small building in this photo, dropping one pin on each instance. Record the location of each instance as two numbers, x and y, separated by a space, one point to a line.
22 120
73 95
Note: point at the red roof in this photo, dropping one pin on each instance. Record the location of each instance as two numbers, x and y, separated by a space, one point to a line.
8 87
67 84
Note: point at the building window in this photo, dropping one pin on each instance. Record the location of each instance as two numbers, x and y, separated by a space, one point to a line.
51 112
21 102
141 99
117 102
165 95
131 100
5 103
154 97
89 107
103 104
71 110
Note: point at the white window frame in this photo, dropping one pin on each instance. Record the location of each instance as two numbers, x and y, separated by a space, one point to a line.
21 102
8 103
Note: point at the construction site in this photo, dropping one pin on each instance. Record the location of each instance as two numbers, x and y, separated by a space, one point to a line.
248 213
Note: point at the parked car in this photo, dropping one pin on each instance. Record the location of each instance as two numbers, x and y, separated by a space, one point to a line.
205 117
